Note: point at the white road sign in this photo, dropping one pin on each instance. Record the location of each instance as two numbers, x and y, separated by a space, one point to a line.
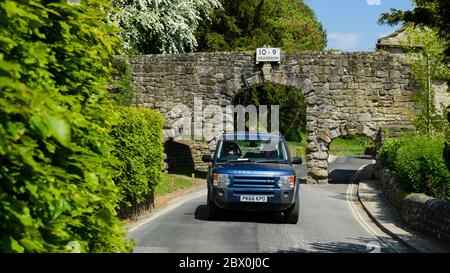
268 54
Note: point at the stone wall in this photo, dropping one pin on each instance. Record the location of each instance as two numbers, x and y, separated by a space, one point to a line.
346 93
185 154
441 96
420 212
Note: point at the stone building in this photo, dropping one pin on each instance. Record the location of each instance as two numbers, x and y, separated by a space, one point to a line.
392 43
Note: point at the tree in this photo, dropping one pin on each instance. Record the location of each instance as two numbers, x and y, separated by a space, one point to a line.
248 24
426 52
434 14
292 104
160 26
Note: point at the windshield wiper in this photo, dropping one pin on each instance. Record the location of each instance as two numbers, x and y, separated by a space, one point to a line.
272 161
240 160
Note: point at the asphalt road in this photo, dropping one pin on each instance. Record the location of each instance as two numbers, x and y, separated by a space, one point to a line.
331 220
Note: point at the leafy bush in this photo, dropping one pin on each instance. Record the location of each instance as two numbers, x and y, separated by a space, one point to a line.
447 155
388 152
138 145
122 92
418 162
56 187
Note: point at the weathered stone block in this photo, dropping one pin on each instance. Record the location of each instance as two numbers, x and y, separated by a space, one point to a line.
320 155
319 173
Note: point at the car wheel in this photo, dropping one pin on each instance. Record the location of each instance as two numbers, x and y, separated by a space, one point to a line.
213 210
292 213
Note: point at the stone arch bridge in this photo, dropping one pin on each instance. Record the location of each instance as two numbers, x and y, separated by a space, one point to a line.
346 93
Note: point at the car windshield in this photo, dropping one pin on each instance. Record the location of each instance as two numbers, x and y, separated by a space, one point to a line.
252 150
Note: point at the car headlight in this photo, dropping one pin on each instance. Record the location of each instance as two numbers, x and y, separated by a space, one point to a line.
286 182
220 180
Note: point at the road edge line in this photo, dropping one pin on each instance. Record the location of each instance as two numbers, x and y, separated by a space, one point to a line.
373 218
358 215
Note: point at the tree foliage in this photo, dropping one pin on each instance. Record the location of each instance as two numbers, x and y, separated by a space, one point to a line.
160 26
56 185
292 120
434 14
248 24
427 65
122 90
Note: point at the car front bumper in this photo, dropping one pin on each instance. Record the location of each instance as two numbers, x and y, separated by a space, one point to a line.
277 199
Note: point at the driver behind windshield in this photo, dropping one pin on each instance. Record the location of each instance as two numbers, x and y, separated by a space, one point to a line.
232 150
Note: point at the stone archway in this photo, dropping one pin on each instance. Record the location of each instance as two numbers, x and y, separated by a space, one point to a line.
361 92
318 151
317 166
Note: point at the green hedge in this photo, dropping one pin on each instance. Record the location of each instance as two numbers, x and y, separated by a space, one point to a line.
418 163
388 153
138 145
56 186
447 154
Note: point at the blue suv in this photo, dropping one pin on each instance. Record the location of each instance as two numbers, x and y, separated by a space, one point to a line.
252 172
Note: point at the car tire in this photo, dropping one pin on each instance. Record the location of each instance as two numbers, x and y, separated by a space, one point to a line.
213 210
291 214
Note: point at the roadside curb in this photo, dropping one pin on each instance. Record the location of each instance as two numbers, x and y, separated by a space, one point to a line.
384 215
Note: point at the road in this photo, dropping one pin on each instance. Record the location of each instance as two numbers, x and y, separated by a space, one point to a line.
331 220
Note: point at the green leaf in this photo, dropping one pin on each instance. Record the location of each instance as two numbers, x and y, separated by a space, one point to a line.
37 123
15 246
59 128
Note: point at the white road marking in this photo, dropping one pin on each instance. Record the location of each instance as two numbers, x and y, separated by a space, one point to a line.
358 216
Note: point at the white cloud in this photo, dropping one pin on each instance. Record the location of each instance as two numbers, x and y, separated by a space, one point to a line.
343 41
373 2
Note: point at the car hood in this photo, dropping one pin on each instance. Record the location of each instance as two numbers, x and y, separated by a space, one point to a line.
254 169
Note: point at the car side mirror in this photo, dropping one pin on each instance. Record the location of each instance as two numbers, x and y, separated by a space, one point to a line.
297 160
207 158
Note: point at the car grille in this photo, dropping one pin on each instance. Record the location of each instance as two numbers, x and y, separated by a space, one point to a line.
253 182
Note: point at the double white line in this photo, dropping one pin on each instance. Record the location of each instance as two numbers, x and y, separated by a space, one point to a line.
351 200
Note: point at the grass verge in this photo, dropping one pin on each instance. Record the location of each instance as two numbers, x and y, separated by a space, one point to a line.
340 146
173 182
346 146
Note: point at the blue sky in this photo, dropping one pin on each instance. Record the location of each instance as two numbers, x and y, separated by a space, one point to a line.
351 25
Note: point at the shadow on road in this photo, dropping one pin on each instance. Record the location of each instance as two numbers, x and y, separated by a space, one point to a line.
270 217
339 176
362 246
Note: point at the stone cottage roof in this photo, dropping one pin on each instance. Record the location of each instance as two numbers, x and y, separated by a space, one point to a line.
392 42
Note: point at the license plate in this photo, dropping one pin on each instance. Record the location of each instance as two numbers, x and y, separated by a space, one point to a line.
253 198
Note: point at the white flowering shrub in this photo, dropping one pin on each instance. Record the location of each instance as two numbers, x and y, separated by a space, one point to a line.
161 26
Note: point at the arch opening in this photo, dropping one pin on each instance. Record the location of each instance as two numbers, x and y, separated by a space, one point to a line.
346 154
292 108
292 115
